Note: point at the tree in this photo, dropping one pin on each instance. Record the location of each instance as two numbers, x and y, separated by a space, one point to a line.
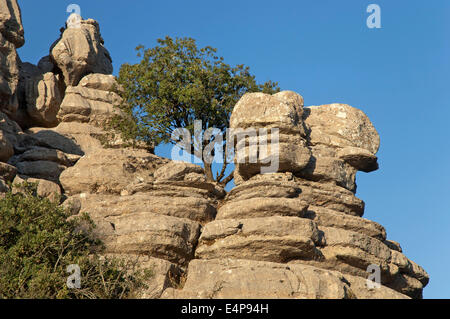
174 85
38 242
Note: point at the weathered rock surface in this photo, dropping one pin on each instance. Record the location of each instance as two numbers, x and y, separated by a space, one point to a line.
11 22
234 278
80 51
194 208
44 188
291 228
164 273
11 38
109 171
86 105
40 95
277 239
300 219
9 76
150 234
342 141
254 119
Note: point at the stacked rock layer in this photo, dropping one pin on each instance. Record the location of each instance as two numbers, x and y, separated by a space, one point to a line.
296 232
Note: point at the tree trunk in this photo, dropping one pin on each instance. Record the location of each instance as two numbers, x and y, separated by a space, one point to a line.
208 172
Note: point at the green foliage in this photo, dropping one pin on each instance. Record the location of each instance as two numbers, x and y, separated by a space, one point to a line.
177 83
37 243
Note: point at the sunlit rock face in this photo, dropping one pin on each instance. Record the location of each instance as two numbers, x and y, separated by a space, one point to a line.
294 231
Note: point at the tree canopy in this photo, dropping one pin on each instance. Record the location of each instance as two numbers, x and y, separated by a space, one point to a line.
175 84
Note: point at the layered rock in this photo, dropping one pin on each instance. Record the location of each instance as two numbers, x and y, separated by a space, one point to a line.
40 96
11 38
298 232
92 101
293 230
80 51
282 112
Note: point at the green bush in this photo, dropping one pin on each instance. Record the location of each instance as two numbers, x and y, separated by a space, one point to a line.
38 242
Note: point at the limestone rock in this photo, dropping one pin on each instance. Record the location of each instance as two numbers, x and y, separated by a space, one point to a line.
280 185
88 105
359 287
40 95
151 234
176 171
234 278
194 208
41 169
46 65
330 196
80 51
329 169
38 153
359 158
11 38
11 22
71 137
338 126
45 188
259 110
277 239
393 245
9 75
269 134
109 171
99 81
6 149
7 172
288 154
329 218
163 273
262 207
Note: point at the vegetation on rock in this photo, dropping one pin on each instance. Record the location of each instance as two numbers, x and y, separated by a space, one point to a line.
175 84
38 242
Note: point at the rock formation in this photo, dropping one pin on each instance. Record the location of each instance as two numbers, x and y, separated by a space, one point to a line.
297 232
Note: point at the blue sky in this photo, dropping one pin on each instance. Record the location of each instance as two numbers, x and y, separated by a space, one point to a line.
398 75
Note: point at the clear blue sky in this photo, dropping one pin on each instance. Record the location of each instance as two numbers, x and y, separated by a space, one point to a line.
399 75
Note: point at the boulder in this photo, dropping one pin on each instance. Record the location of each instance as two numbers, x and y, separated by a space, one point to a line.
11 22
102 82
40 96
9 75
346 131
6 149
109 171
45 188
169 238
260 110
86 105
262 207
268 134
80 51
277 239
7 172
226 278
194 208
176 171
164 274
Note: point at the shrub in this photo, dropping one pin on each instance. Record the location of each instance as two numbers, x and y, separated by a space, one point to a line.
38 242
